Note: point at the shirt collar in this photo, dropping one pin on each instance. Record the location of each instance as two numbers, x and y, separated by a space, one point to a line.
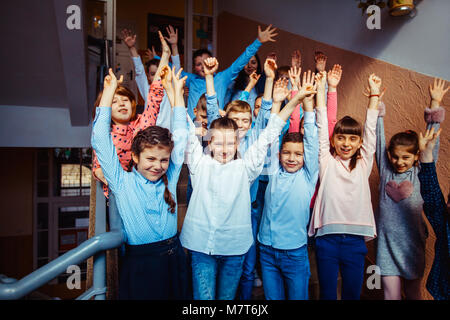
140 178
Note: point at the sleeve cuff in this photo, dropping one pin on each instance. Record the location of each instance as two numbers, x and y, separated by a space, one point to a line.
310 117
434 115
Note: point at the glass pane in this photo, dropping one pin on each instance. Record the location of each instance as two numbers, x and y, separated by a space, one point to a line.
42 156
95 19
202 33
42 244
203 7
72 217
42 173
42 189
42 212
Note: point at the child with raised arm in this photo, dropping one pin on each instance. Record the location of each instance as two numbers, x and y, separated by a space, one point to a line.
343 217
154 265
436 210
222 80
142 81
217 229
124 122
402 231
283 231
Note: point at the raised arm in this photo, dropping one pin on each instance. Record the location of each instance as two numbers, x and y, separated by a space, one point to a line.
210 66
263 36
129 39
369 136
179 125
436 114
322 122
294 78
253 80
310 140
334 77
101 139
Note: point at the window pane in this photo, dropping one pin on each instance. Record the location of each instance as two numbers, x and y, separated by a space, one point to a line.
42 244
42 189
42 211
68 216
203 7
202 37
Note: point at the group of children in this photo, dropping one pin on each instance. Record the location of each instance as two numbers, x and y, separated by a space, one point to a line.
255 163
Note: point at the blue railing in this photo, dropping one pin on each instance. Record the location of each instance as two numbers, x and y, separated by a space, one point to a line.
11 289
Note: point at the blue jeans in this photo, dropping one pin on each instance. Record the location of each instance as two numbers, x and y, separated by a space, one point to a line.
215 277
344 252
285 272
248 276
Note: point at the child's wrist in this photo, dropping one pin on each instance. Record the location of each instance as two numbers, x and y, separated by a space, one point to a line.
332 88
435 103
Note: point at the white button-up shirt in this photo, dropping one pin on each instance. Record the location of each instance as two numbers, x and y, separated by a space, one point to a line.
218 219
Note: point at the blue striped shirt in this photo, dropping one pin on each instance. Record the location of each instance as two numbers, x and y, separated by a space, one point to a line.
144 212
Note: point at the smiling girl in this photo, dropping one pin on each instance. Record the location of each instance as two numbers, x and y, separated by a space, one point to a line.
125 124
154 265
401 227
343 217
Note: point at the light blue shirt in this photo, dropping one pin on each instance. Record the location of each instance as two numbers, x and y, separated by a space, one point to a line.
218 219
288 196
197 84
144 212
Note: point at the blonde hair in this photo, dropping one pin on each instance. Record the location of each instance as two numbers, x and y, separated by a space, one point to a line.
238 106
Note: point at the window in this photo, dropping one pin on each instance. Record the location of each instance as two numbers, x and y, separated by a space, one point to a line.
63 181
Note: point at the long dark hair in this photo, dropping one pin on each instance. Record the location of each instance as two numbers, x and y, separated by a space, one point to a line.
150 137
348 125
242 78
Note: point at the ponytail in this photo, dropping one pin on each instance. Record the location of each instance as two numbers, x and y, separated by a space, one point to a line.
167 195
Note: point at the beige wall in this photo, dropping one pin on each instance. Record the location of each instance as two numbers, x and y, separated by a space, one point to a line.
406 97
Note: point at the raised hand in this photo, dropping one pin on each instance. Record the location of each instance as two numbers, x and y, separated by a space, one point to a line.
308 86
296 59
150 54
427 143
280 90
164 45
321 80
267 34
110 83
253 79
270 67
374 84
178 85
166 81
128 38
321 60
173 35
210 66
437 91
294 77
334 76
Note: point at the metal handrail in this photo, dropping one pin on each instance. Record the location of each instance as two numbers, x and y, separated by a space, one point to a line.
10 289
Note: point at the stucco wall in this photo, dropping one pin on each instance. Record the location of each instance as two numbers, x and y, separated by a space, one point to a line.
406 97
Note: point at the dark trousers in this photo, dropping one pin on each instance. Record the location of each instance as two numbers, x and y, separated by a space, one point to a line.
344 252
155 271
